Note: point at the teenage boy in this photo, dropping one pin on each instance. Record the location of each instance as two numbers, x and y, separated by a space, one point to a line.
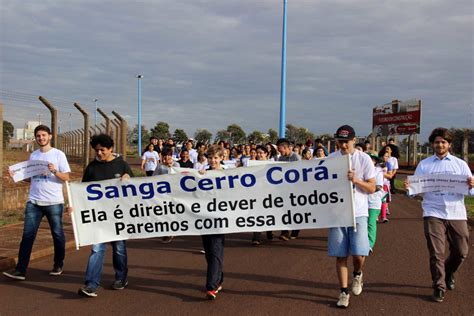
45 199
214 244
345 241
444 214
107 165
287 154
185 161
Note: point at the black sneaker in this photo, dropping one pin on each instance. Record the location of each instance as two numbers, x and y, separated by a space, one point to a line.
119 284
87 291
450 281
15 275
284 237
56 271
438 295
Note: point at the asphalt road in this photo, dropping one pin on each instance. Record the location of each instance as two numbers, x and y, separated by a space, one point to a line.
277 278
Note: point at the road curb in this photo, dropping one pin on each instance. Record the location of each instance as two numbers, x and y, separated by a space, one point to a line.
9 263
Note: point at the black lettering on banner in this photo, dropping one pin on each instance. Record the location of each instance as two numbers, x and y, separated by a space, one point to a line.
92 216
195 207
255 221
270 202
118 213
156 227
211 223
314 198
290 218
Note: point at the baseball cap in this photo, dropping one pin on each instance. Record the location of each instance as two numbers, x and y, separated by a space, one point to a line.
345 132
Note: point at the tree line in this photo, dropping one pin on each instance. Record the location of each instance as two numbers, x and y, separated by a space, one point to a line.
232 134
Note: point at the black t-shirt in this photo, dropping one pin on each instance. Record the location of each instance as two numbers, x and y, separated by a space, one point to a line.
187 164
104 170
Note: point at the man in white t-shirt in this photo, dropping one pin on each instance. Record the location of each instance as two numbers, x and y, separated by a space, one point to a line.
45 199
345 241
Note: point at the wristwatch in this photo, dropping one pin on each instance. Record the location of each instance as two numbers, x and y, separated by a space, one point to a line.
54 171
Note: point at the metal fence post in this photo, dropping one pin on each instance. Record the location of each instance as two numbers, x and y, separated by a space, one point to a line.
86 134
123 134
54 120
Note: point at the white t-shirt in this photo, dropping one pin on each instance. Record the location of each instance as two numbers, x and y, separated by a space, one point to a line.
394 162
48 187
151 160
375 199
193 155
365 170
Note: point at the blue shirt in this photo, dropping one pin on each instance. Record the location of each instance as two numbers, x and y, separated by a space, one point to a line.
444 205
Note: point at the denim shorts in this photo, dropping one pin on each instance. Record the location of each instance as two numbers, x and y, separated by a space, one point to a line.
344 242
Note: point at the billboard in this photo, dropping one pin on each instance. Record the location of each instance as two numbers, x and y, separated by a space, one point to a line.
397 118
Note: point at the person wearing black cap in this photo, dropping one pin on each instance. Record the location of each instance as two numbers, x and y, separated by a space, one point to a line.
286 154
346 241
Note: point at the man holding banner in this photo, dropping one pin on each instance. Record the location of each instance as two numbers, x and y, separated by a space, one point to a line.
107 165
45 199
347 241
443 179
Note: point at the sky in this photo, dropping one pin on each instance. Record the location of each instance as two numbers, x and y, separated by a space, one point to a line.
211 63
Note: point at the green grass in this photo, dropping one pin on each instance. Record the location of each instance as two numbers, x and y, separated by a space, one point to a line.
469 201
399 185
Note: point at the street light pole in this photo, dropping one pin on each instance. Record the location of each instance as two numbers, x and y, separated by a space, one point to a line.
283 76
139 77
95 112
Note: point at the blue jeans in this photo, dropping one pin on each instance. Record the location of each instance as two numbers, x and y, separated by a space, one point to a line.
96 262
214 251
33 215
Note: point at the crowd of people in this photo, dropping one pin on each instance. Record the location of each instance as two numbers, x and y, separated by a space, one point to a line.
372 175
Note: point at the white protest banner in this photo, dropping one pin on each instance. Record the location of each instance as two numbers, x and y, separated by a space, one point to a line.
299 195
452 183
27 169
252 163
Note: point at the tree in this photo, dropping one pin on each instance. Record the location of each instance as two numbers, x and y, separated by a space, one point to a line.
272 136
132 135
298 134
203 136
291 132
161 130
458 140
180 135
7 132
325 136
256 137
237 134
223 135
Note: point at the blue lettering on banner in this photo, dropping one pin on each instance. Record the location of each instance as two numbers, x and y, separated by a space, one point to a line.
146 190
275 175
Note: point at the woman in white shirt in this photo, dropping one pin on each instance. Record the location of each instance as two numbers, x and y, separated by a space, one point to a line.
150 160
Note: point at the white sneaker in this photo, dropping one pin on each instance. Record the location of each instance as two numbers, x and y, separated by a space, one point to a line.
357 284
343 300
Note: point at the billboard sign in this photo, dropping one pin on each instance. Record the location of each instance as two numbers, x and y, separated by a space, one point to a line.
397 118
